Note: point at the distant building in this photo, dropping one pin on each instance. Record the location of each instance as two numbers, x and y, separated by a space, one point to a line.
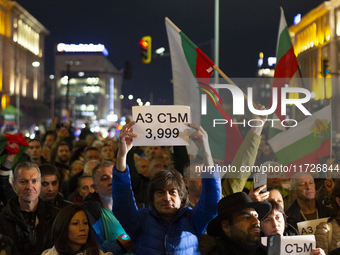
94 83
316 40
265 73
21 60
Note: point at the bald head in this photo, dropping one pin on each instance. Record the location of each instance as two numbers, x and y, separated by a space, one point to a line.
142 166
88 167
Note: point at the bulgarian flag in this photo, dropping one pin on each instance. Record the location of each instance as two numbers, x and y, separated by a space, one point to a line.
286 66
7 148
302 146
191 70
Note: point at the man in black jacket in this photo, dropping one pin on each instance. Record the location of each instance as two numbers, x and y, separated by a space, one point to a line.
305 207
50 186
237 225
27 219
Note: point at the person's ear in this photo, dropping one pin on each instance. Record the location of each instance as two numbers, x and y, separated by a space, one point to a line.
185 180
225 225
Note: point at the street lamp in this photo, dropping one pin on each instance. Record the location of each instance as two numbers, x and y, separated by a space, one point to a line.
52 94
160 51
36 64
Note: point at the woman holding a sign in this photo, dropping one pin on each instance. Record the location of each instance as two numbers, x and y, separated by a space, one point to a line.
275 223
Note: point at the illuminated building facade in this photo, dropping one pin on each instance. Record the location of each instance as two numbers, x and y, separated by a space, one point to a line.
317 37
21 59
88 83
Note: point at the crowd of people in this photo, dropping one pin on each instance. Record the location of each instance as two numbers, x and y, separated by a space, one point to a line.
59 195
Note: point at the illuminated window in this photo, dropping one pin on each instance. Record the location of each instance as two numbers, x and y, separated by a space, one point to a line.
5 101
27 37
338 23
2 22
91 89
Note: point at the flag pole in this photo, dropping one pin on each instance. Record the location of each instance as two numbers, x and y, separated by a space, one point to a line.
172 24
331 156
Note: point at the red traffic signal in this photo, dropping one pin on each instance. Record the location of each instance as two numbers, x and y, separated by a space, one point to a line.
144 44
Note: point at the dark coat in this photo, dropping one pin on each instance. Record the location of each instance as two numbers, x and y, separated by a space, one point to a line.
60 202
226 246
139 183
93 206
295 216
335 252
8 246
14 226
290 231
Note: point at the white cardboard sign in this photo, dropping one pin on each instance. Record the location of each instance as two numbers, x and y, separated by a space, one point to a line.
309 227
301 245
161 125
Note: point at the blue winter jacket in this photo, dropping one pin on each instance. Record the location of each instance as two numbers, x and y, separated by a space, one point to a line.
152 234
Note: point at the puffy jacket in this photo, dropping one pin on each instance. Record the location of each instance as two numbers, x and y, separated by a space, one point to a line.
152 234
321 236
14 226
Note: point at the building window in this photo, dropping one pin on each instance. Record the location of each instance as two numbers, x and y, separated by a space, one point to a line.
2 22
27 37
338 23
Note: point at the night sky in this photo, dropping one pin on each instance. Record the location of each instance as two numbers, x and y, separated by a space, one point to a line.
247 27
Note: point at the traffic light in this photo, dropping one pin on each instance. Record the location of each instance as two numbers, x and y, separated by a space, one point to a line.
145 44
324 66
